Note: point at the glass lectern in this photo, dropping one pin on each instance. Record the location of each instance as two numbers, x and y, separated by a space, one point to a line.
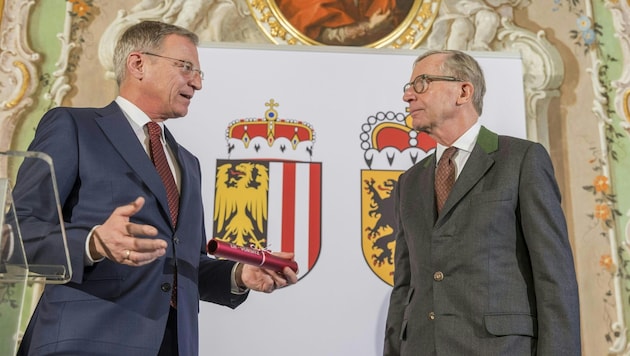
24 260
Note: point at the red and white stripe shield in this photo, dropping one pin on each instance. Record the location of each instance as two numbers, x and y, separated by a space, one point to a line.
286 218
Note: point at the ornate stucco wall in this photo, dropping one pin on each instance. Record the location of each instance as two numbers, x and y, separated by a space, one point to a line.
577 80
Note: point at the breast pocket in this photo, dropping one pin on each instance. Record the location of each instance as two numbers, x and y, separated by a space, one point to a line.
496 195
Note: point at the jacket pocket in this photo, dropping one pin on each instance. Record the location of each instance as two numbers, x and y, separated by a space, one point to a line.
511 324
403 331
409 296
403 327
490 196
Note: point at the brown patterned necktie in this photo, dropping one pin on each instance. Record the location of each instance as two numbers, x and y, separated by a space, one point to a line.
445 177
158 156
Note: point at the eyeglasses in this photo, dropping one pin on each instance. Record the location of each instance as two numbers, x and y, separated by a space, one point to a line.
186 67
421 83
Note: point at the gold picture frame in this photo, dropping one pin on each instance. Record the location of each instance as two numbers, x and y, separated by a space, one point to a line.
409 33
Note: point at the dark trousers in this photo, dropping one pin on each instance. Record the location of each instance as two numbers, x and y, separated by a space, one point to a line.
169 343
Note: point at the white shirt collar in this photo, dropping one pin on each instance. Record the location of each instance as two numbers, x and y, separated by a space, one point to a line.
465 142
137 118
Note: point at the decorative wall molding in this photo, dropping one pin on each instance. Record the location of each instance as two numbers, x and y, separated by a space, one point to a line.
18 69
60 79
543 73
620 11
476 25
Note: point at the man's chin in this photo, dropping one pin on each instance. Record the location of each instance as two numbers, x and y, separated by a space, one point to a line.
179 113
422 128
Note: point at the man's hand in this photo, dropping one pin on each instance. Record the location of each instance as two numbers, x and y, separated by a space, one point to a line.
116 238
265 280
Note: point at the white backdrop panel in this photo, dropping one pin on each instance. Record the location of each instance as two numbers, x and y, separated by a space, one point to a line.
339 307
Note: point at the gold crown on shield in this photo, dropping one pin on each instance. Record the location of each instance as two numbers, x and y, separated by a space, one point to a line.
284 137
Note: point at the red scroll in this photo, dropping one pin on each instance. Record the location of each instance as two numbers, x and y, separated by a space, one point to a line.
251 256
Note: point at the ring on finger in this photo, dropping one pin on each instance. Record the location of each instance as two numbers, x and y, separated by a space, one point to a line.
127 253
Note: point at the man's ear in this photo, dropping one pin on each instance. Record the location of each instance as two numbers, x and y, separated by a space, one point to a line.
135 65
466 93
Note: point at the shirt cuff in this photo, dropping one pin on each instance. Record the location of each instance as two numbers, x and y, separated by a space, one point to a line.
88 260
235 289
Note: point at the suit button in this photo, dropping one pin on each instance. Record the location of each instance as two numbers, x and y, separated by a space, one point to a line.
438 276
166 287
176 240
431 316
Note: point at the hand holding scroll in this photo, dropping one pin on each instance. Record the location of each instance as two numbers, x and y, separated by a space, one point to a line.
262 270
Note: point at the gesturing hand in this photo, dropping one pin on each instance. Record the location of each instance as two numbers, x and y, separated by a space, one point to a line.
116 238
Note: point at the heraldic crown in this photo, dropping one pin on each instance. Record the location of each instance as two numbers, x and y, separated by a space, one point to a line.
270 137
389 142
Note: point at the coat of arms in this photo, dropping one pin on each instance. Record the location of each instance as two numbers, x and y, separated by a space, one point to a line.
268 192
390 147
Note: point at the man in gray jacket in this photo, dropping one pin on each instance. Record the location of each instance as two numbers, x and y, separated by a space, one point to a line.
488 269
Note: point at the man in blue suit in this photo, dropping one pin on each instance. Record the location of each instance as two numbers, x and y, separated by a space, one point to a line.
488 270
138 273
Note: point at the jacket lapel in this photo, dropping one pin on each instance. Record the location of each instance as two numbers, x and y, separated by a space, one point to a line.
476 167
427 187
115 126
420 183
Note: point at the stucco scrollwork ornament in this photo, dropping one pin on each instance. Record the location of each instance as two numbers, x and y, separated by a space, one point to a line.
18 70
60 83
470 24
477 25
620 342
543 73
211 20
620 11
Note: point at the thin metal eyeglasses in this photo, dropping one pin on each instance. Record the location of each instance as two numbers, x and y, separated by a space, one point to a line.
421 83
186 67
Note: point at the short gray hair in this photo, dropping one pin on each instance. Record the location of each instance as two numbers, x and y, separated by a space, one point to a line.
463 66
145 36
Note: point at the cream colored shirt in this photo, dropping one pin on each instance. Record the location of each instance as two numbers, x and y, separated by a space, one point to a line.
464 144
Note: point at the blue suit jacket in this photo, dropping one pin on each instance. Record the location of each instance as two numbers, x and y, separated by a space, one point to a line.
109 308
493 274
